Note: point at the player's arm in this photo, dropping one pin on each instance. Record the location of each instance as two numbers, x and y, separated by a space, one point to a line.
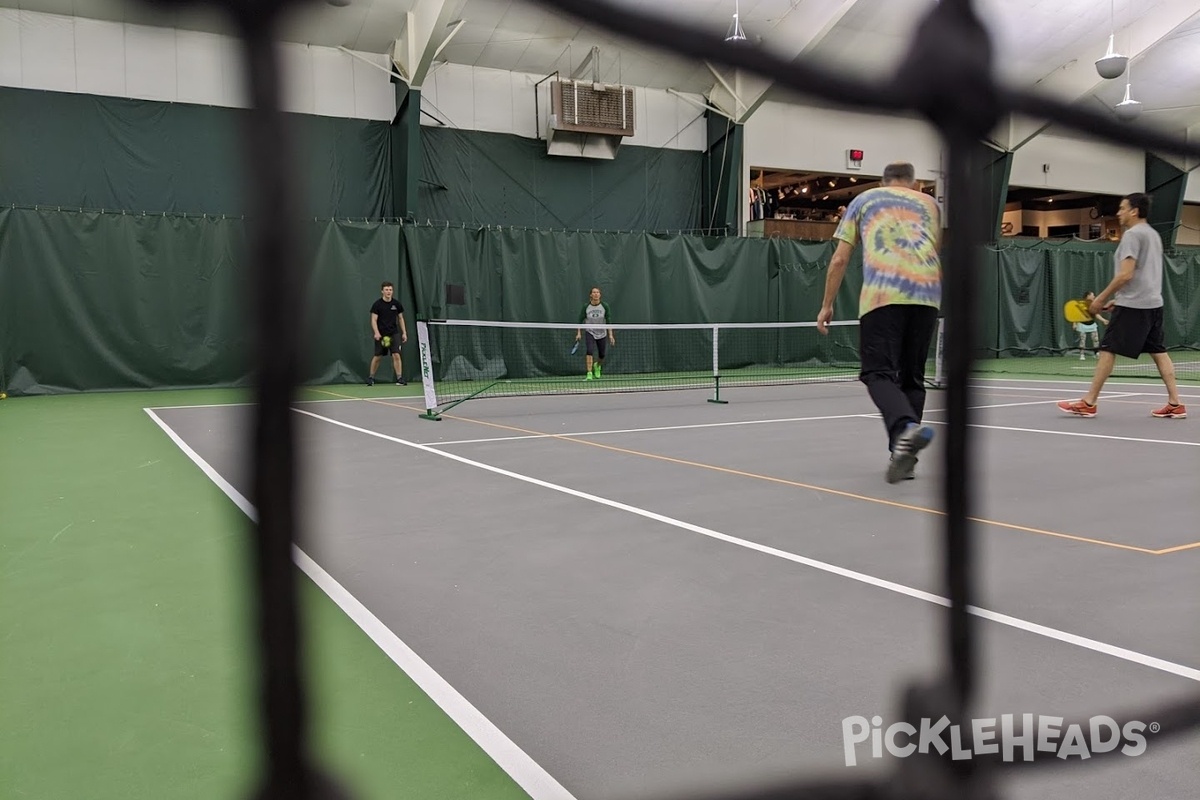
608 318
403 328
833 282
375 325
1124 275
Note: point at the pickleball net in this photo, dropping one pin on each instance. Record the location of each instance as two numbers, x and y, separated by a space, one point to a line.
470 359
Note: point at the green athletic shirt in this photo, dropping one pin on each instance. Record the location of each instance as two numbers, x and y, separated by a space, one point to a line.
596 316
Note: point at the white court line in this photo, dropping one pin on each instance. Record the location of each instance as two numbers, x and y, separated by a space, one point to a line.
1031 627
647 430
251 403
512 759
1075 433
733 423
1115 381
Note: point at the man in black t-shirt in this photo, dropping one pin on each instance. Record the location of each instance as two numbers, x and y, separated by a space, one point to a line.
387 320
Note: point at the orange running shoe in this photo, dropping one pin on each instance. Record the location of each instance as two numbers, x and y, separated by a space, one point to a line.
1170 412
1077 408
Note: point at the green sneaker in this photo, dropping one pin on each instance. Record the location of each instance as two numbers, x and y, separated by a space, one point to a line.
596 369
588 377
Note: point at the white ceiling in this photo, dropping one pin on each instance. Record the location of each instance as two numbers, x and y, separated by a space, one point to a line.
1034 39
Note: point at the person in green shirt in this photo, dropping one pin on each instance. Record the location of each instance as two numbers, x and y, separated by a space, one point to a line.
595 316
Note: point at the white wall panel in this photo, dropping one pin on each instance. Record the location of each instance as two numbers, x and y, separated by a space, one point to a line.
1078 165
10 47
1192 193
525 109
99 57
299 79
455 103
199 68
783 136
374 93
493 101
333 83
150 65
47 52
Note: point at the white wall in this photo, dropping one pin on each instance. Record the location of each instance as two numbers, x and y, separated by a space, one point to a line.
1192 193
69 54
476 98
782 136
1189 232
788 137
1079 165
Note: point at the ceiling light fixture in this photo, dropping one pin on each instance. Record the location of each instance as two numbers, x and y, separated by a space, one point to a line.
1113 64
1128 109
736 34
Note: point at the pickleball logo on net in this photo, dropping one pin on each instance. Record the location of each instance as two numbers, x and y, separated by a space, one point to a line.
1014 739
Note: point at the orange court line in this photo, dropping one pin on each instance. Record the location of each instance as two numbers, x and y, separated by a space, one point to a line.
823 489
1179 549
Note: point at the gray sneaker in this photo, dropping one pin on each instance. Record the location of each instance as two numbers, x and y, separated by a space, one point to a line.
904 453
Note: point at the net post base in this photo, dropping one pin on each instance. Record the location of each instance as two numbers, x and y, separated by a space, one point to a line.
430 414
721 402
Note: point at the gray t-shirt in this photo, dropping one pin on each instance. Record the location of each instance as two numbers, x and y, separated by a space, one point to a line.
1144 244
594 317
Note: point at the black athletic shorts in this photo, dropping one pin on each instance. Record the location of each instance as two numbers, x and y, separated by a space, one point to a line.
596 347
394 347
1133 331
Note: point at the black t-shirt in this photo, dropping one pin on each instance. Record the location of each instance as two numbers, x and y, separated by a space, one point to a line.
389 315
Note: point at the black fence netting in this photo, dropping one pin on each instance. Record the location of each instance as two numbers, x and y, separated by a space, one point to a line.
947 77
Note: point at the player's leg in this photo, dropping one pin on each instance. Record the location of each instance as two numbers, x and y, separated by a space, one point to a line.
918 336
1124 336
881 344
374 363
589 359
1156 347
398 366
601 349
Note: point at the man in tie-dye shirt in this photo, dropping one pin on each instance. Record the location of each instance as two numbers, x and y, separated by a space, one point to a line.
899 228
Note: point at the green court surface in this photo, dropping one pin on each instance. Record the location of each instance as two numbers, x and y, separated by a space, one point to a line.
1071 367
127 657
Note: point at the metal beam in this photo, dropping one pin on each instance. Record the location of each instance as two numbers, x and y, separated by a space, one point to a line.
1077 78
797 33
422 38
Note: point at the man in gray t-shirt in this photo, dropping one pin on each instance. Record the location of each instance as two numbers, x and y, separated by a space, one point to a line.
1135 297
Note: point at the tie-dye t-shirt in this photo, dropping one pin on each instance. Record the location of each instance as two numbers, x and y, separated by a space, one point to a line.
898 230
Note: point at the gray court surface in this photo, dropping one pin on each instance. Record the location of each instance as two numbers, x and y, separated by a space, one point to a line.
630 654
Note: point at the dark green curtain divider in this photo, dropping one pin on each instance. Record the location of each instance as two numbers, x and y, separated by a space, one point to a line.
111 301
477 178
1034 279
350 261
1072 274
722 172
87 152
405 141
1166 185
993 168
1024 311
1181 298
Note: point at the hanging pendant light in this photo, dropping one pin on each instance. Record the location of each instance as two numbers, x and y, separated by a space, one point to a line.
736 34
1128 109
1113 64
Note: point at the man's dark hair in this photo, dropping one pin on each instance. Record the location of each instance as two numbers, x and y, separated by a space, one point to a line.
386 284
900 171
1140 203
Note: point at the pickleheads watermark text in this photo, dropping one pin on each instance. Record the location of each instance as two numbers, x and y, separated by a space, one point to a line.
1012 737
